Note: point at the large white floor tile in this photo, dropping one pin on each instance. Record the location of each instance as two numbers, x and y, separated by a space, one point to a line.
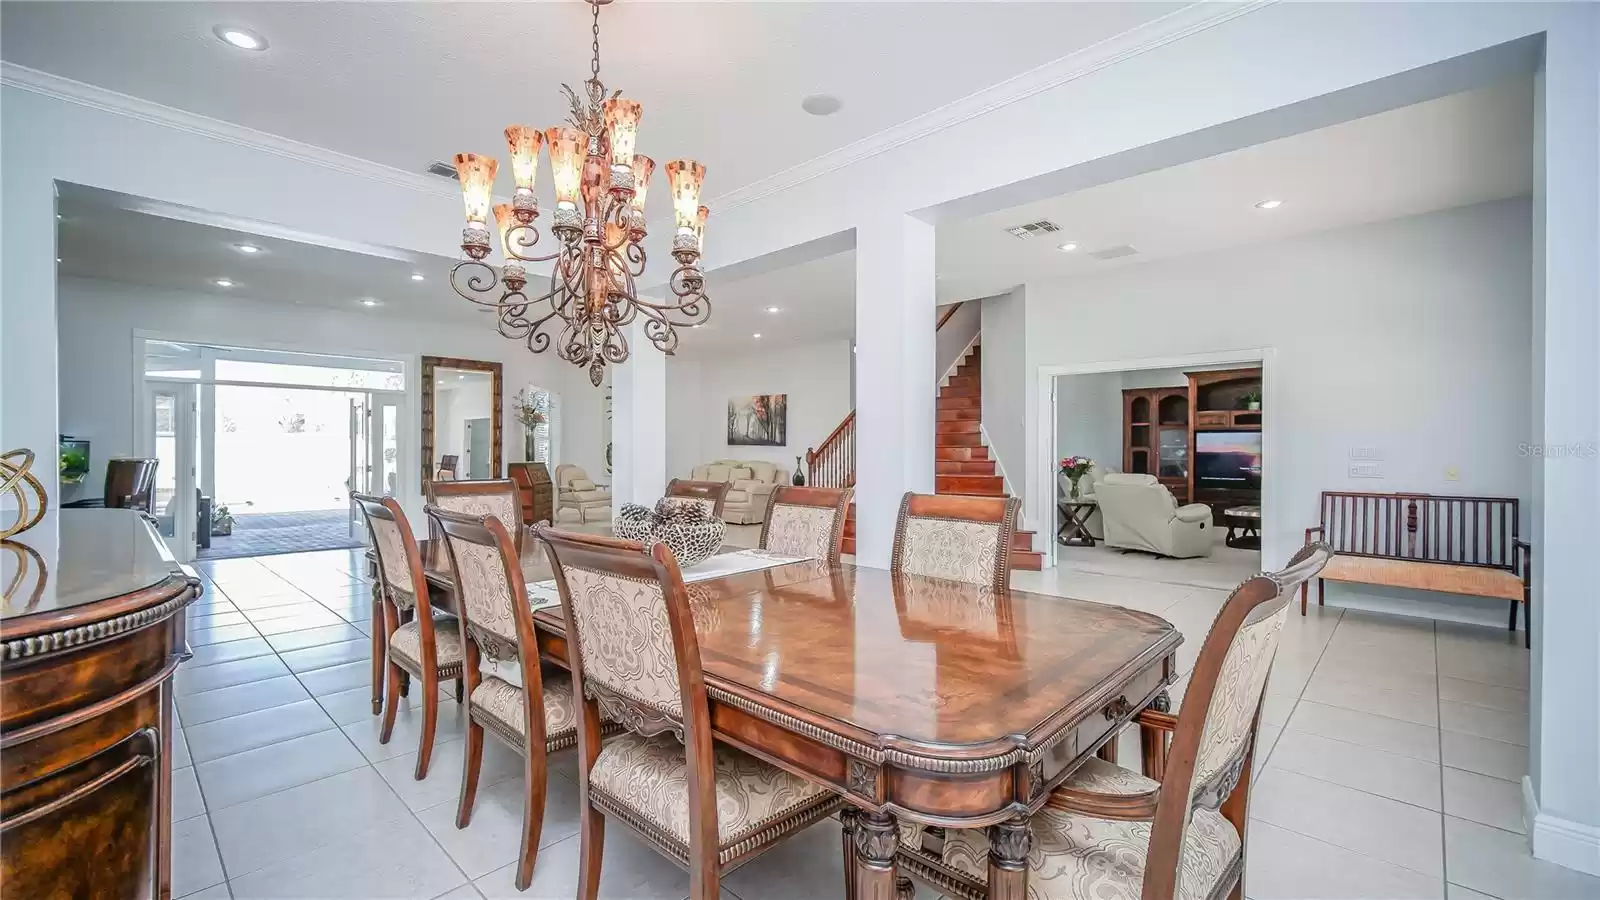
305 606
355 705
1498 863
206 636
630 871
1391 775
494 837
195 864
1389 678
268 830
1419 708
180 750
407 733
209 706
1370 659
225 737
215 892
1276 709
211 654
311 637
214 617
192 679
1475 754
186 801
805 866
1511 672
444 772
1490 801
324 655
1378 732
1484 722
1489 695
465 892
1284 865
393 859
318 618
1374 826
343 677
232 780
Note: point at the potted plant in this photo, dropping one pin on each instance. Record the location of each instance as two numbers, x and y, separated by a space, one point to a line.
1075 467
221 521
1252 400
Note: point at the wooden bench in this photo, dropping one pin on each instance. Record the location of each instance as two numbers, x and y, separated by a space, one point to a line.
1458 545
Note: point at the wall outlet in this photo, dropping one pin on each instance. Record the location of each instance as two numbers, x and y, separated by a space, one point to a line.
1366 453
1366 470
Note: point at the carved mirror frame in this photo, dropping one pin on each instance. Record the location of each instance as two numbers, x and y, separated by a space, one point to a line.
429 365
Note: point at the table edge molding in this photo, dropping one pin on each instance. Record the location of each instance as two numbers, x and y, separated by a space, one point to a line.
72 637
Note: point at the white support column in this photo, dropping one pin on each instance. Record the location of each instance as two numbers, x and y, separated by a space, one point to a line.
894 381
639 423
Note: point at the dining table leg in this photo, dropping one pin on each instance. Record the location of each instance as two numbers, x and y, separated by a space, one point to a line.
1009 843
377 648
877 837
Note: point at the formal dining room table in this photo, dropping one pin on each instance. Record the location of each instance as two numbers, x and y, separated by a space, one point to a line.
916 699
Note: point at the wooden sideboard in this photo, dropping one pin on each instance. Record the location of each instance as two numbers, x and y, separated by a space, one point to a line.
91 632
535 491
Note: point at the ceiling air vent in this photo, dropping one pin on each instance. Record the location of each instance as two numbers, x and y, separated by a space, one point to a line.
1034 229
1117 252
443 170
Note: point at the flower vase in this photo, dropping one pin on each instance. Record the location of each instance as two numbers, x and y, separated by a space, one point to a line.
799 478
527 444
1074 492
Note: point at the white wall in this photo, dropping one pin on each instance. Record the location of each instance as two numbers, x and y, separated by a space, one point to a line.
949 341
1411 336
1089 419
816 378
98 388
1005 393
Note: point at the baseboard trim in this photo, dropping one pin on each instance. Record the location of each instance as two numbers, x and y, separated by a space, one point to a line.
1566 843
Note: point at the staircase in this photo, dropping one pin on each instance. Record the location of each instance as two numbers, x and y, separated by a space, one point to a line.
961 462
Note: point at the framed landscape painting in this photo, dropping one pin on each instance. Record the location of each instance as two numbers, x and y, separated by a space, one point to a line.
761 420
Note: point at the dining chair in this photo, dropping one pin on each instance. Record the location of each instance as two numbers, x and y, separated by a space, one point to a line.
705 805
426 647
1108 833
494 497
955 537
710 494
529 709
130 483
447 467
806 521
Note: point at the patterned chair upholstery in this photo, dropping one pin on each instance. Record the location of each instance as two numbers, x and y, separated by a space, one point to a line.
965 539
806 522
709 494
498 498
529 709
636 660
576 491
1106 833
428 646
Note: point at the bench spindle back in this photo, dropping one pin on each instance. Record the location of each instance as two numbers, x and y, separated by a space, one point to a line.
1468 531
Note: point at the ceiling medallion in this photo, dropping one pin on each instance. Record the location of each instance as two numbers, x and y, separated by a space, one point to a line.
600 185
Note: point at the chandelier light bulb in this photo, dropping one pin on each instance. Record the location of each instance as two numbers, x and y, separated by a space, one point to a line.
505 218
622 123
477 185
569 150
685 176
643 168
524 142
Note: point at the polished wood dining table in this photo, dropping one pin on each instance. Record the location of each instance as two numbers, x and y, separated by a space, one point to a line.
913 698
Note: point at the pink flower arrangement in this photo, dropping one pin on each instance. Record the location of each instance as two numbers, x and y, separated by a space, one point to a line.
1074 467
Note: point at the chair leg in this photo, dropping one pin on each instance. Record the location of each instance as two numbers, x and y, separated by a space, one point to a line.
1108 750
1513 625
705 879
459 683
534 781
1305 588
591 846
1322 591
472 762
430 717
378 634
391 703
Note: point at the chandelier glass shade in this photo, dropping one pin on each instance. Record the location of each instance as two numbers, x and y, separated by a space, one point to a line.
600 183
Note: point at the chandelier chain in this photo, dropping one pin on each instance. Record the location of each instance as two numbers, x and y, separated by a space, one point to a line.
594 64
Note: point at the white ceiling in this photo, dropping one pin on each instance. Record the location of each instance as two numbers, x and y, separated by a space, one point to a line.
405 84
1457 150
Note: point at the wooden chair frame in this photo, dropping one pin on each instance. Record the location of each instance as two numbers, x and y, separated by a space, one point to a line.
399 607
715 491
433 490
533 744
991 510
131 482
837 499
628 559
1167 807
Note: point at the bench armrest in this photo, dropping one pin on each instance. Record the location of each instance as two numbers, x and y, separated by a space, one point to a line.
1524 558
1316 530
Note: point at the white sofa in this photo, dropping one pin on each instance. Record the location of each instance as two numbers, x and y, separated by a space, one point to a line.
751 485
1139 513
575 491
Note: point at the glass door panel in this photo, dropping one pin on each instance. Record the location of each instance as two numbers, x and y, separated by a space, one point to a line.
172 437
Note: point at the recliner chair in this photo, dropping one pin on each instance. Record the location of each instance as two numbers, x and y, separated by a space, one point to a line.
1139 513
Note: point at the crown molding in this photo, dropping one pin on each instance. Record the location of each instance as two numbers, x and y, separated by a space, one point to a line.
1152 35
59 88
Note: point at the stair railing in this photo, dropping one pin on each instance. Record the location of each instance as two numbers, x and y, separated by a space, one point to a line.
833 464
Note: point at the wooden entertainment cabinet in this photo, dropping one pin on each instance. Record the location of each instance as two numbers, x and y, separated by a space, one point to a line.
1159 427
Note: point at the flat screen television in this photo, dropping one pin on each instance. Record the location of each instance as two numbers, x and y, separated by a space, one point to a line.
1228 460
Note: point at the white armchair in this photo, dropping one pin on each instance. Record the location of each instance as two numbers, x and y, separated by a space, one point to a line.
575 491
1139 513
751 483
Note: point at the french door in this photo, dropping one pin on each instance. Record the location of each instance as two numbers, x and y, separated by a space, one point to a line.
171 435
374 450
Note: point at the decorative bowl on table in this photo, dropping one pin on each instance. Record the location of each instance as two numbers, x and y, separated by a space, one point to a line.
691 532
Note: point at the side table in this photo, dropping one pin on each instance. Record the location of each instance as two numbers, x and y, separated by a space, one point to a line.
1247 519
1074 531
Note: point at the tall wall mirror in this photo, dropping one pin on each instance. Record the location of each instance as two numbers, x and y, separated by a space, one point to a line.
461 403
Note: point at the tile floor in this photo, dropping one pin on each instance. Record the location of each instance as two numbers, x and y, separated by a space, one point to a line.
1392 748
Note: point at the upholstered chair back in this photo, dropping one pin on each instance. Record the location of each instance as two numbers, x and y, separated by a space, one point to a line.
628 618
130 483
805 521
400 576
709 494
496 498
1214 739
954 537
491 593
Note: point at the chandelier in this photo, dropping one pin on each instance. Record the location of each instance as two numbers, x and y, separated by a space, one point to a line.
600 187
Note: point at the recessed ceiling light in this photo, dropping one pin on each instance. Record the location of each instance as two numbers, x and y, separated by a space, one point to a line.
247 248
1269 204
243 38
368 301
222 282
416 276
757 335
821 104
1068 247
773 309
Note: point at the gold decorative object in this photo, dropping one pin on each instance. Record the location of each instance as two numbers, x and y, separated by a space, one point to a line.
600 185
14 466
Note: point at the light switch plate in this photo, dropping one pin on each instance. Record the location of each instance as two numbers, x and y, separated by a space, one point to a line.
1452 473
1366 453
1366 470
